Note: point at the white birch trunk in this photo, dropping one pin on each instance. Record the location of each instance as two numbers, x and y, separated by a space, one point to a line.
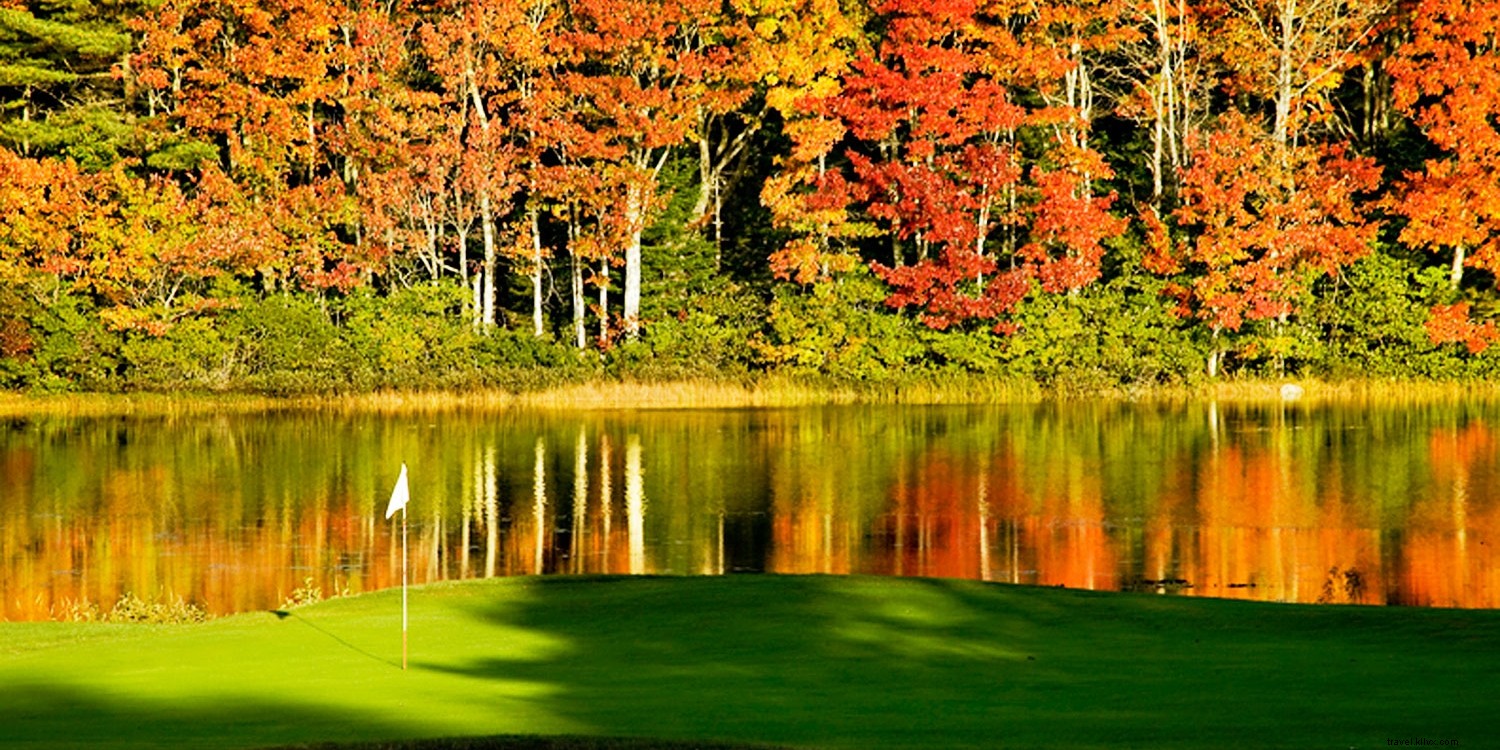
487 272
579 335
603 302
632 311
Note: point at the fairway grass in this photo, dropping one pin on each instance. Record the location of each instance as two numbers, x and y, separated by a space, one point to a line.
767 660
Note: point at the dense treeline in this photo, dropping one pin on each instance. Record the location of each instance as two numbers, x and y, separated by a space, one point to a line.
293 195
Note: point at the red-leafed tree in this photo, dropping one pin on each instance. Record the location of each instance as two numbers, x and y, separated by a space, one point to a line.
937 160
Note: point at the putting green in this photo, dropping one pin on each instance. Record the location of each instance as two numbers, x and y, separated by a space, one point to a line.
803 661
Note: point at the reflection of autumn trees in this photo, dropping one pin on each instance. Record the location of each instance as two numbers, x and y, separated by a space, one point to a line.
1262 535
234 515
1450 557
1269 510
932 527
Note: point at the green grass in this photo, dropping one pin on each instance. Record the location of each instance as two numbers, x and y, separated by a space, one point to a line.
791 661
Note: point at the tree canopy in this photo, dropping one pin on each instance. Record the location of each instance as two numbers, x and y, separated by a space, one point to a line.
850 188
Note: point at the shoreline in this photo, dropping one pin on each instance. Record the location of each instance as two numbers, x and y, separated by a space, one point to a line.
766 393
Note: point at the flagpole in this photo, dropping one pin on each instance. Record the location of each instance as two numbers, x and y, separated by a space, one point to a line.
403 589
400 496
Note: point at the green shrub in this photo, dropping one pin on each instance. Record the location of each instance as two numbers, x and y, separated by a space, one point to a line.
67 347
286 344
192 355
978 350
1117 333
505 349
839 328
707 337
417 337
1371 321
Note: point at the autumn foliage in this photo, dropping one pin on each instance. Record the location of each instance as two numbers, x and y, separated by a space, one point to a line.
584 170
1266 220
1451 324
935 118
1446 77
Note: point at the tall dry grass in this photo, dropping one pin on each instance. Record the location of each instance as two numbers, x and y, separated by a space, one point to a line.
772 392
110 404
769 392
1355 392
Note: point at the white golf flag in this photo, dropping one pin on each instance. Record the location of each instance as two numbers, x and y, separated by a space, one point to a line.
399 496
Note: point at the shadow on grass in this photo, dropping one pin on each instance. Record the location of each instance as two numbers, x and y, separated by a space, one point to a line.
282 614
52 716
802 661
868 662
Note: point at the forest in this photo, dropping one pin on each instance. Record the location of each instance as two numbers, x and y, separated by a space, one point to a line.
305 196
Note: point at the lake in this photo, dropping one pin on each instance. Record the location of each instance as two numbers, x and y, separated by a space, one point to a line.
1295 503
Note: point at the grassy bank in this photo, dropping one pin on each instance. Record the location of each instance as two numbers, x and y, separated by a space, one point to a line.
600 394
726 394
797 661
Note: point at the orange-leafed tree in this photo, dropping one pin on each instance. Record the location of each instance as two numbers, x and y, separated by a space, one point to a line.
398 148
584 199
636 76
256 77
43 208
147 248
492 59
154 249
1446 76
1166 83
1291 54
728 121
263 80
804 50
1448 324
770 56
1082 40
1261 220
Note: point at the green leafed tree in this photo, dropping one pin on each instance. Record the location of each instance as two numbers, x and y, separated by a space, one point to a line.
60 94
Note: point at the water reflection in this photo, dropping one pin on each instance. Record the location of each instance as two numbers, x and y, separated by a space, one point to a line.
1310 505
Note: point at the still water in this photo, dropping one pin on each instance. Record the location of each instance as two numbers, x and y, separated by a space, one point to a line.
1332 504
